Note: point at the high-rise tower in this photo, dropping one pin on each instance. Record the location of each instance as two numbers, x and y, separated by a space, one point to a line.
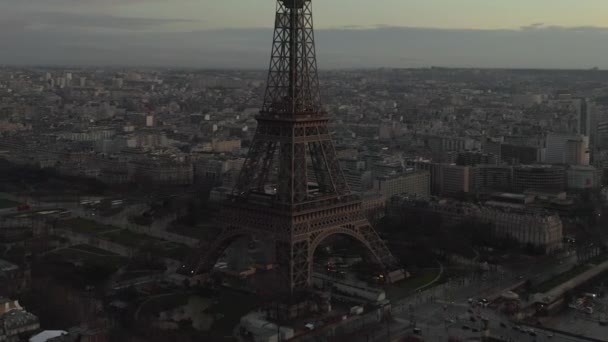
276 197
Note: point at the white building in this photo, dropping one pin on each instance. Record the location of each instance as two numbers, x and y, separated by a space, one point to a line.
544 231
569 149
414 183
583 177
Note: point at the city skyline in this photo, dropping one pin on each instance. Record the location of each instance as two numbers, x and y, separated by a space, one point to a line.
215 35
143 202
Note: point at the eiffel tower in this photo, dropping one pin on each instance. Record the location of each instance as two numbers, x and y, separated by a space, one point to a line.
307 199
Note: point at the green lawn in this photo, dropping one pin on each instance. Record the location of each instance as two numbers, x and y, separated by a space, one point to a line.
177 252
92 250
84 226
408 286
5 204
559 279
70 254
198 232
130 239
598 259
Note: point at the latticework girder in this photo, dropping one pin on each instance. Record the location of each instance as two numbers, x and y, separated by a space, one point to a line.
293 132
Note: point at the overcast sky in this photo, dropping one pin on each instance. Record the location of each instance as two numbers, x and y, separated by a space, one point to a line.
350 33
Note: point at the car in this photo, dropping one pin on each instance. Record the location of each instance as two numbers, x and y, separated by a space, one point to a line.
549 335
465 327
472 319
532 333
503 325
469 310
417 331
475 330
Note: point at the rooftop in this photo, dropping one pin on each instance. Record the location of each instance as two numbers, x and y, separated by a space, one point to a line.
47 335
509 195
7 266
18 318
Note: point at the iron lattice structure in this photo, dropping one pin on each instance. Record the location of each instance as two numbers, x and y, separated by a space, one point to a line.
291 188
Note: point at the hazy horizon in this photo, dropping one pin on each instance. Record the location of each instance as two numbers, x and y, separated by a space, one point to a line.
547 34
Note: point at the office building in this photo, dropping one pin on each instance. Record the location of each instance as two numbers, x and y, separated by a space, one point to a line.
583 114
416 183
569 149
539 230
472 158
583 177
519 154
453 180
542 177
490 178
447 144
358 180
602 135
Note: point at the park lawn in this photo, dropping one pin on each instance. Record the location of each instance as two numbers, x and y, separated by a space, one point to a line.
84 226
178 252
70 254
598 259
407 287
201 232
92 250
130 239
559 279
6 204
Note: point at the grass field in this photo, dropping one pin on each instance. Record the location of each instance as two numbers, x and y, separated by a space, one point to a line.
75 254
559 279
408 286
5 204
92 250
129 238
197 232
598 259
83 226
178 252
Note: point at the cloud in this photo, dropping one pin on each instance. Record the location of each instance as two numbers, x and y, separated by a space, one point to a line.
94 21
534 26
64 21
541 47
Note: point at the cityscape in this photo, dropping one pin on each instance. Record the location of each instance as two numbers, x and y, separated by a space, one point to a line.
294 202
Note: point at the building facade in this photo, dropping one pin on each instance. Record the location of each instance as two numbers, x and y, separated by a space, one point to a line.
414 183
453 180
569 149
542 231
583 177
542 177
492 178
